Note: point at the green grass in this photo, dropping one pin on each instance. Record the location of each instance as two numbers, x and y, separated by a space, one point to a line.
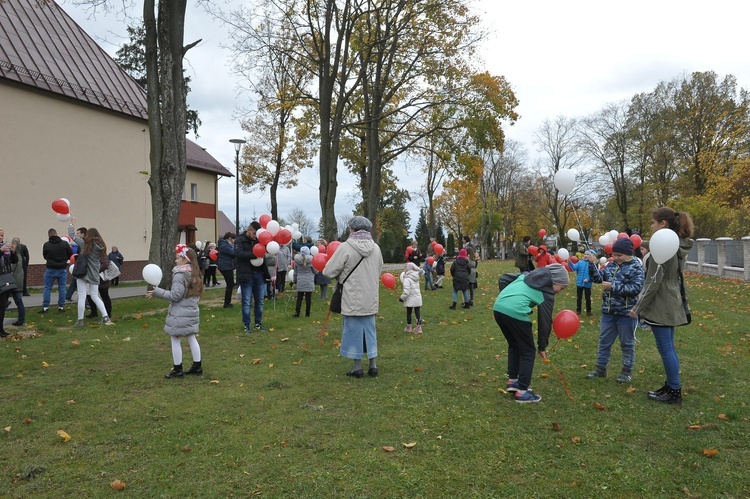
290 424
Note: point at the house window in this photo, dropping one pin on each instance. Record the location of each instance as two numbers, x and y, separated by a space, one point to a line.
193 192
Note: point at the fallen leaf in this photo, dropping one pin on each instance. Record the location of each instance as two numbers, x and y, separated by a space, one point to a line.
242 355
283 444
270 366
710 452
409 445
260 397
389 448
299 362
76 342
64 436
7 429
723 417
271 330
556 427
27 420
599 406
284 339
44 364
70 402
256 362
117 484
630 389
576 440
19 375
544 375
213 382
694 427
418 369
126 339
187 449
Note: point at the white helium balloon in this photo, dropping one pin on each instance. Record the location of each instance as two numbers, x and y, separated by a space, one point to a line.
603 260
66 202
152 274
63 218
295 227
256 262
604 240
563 253
297 234
198 244
66 239
273 247
565 181
314 250
663 245
613 235
273 227
290 275
70 269
573 235
401 276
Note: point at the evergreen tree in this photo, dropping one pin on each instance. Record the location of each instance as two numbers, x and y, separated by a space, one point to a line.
440 232
451 247
422 232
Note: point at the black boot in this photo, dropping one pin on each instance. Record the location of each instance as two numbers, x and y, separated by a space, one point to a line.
176 372
195 368
466 305
659 391
668 396
453 307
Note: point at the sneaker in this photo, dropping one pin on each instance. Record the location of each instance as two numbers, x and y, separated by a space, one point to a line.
624 378
408 329
19 323
418 329
79 323
4 333
260 327
248 329
597 373
512 386
43 311
107 322
527 397
60 310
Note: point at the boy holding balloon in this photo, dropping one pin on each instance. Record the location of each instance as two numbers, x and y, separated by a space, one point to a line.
512 308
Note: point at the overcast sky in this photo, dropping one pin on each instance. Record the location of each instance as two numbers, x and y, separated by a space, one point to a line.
562 58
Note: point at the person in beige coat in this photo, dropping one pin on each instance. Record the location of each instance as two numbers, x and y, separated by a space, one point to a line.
359 262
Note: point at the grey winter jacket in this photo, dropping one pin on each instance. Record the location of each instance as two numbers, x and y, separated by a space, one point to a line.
183 316
362 288
304 274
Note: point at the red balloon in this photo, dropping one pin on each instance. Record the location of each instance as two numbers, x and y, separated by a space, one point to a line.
542 233
264 238
565 324
388 281
558 259
567 267
533 250
636 239
432 243
573 259
622 235
263 221
332 247
608 249
319 261
214 255
430 260
283 236
321 248
60 206
409 250
439 249
259 250
73 258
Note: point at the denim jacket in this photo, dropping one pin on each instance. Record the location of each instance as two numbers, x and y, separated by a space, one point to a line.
627 282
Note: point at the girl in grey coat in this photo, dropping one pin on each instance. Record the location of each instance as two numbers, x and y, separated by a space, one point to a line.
183 316
304 277
92 246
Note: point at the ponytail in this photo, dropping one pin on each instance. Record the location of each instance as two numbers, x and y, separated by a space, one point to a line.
678 221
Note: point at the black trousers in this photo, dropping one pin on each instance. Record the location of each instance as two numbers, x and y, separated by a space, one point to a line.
521 348
308 301
579 295
229 281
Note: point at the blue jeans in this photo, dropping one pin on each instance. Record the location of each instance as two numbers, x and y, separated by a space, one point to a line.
255 288
18 300
664 337
611 327
465 293
428 282
50 276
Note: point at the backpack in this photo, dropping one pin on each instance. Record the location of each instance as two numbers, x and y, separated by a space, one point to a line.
505 279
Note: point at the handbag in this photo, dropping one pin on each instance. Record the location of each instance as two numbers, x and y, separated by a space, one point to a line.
335 306
7 283
110 272
81 267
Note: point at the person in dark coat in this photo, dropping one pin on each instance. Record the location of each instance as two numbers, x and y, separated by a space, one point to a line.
252 275
460 270
56 252
7 259
226 265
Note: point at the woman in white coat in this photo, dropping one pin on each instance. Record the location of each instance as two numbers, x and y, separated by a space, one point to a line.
412 296
358 261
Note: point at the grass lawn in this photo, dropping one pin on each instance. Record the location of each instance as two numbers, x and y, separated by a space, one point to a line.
274 415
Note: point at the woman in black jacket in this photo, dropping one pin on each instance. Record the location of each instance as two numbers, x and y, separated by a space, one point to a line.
460 270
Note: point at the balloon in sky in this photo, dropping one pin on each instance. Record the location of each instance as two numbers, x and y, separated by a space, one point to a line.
565 181
573 235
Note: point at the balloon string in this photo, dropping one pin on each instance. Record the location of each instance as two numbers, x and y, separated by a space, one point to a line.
321 335
562 378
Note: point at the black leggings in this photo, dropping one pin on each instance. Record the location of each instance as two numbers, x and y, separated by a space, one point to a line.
210 275
417 315
229 281
579 294
308 301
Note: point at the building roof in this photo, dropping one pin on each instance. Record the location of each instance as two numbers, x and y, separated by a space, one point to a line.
41 46
197 157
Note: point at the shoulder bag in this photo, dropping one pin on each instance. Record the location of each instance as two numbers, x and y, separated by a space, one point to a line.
7 283
81 267
685 303
336 297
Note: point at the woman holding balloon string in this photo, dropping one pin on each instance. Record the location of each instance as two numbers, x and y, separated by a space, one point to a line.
660 305
92 246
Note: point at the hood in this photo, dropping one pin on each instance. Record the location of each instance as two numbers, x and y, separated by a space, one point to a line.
363 246
684 249
414 275
55 239
539 279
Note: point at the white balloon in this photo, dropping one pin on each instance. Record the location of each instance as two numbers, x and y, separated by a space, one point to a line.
63 218
295 227
663 245
613 235
256 262
604 240
198 244
70 269
66 239
603 260
565 181
297 234
563 253
314 250
152 274
66 202
290 275
259 232
273 247
401 276
573 235
273 227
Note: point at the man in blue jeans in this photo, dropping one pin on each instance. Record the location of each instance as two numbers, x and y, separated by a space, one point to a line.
56 253
252 278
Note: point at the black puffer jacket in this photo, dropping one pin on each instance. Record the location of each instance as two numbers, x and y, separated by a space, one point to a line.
57 253
460 271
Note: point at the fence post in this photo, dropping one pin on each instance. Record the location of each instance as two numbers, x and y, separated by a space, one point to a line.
721 254
746 256
702 242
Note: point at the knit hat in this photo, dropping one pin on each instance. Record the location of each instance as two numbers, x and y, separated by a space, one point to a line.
411 266
558 273
591 252
623 246
359 223
305 250
462 253
255 224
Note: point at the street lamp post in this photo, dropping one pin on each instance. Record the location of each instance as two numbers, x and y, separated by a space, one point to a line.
237 146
